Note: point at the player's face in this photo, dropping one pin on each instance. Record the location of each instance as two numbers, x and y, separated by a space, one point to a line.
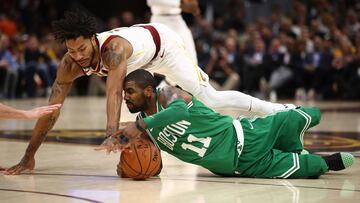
81 50
134 97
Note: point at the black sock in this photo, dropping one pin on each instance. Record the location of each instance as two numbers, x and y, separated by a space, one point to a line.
334 162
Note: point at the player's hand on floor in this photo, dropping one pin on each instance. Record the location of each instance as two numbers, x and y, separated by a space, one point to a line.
124 142
26 163
130 131
124 147
110 144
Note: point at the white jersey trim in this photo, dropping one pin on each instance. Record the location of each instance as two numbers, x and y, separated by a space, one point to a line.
240 136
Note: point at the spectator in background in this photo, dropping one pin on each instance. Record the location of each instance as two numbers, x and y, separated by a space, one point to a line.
305 35
7 26
275 19
235 15
113 22
351 79
8 69
254 68
297 61
313 70
352 24
336 80
127 19
37 62
343 74
18 50
50 49
203 40
221 67
278 71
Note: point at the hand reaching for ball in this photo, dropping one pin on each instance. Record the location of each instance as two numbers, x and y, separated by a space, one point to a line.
114 143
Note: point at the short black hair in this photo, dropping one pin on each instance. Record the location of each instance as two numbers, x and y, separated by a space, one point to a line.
141 77
75 24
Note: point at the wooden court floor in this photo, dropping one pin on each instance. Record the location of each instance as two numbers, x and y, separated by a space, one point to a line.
69 170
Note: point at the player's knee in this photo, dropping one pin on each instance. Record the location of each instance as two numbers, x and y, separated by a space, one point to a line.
314 114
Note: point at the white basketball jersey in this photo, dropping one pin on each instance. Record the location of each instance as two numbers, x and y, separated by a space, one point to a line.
141 41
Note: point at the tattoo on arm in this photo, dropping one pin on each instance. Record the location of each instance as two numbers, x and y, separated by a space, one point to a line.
35 143
113 55
57 89
171 94
58 94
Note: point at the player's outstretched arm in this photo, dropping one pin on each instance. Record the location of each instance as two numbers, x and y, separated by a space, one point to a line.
8 112
114 57
67 72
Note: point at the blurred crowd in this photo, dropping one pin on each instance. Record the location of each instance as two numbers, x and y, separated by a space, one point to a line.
308 50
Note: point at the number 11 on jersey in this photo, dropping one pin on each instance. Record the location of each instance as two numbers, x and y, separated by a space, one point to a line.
200 151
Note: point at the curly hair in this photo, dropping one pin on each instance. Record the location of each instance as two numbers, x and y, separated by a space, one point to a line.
73 25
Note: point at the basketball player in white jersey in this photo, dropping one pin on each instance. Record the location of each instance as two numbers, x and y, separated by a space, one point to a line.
169 13
115 53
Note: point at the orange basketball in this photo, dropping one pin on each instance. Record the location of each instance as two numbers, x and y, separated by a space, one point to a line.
142 161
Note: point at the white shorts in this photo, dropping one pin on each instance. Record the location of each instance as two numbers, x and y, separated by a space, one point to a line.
177 64
178 25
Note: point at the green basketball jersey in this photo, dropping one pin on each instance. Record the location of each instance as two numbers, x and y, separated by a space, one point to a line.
204 138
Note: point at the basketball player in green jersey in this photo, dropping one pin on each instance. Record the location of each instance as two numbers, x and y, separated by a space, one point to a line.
266 147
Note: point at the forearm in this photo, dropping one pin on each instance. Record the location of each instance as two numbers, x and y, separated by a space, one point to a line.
46 123
114 57
113 112
9 112
42 127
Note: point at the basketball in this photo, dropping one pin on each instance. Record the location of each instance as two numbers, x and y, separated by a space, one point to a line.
141 161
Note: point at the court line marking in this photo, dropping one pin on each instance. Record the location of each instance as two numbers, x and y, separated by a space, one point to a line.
51 194
266 184
202 180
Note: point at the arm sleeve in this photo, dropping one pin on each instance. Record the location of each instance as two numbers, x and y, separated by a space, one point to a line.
176 111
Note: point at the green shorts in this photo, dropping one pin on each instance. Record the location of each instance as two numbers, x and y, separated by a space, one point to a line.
272 145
